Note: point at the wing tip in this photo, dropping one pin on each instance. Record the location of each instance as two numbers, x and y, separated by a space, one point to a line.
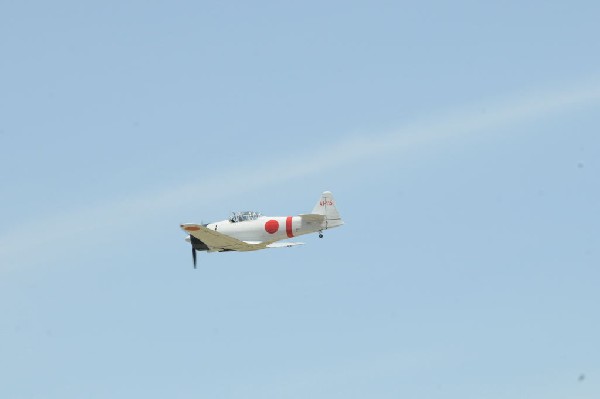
190 227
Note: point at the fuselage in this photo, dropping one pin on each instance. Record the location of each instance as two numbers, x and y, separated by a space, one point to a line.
264 228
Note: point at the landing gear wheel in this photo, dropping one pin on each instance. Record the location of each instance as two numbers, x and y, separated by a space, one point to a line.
320 235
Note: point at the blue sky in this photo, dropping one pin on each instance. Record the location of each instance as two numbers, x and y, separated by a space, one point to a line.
460 140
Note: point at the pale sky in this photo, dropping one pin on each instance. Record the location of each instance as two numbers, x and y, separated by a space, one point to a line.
459 139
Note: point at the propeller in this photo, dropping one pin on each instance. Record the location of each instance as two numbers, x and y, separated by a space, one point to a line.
197 245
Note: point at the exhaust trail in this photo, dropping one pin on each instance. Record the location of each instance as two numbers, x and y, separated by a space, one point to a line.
59 233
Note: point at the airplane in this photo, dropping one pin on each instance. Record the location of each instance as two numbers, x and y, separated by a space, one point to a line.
251 231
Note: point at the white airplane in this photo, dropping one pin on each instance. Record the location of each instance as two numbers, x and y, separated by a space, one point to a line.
251 231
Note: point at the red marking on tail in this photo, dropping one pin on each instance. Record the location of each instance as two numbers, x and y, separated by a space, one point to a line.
288 227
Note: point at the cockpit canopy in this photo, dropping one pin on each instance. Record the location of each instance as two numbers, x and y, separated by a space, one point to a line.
243 216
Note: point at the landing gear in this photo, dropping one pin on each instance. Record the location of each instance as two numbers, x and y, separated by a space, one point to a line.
320 234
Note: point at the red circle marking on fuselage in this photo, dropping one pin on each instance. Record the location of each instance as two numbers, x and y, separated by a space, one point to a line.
272 226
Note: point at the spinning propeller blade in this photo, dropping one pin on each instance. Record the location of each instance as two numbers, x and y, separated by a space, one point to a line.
194 256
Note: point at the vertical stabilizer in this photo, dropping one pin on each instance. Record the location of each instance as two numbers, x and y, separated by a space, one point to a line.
326 206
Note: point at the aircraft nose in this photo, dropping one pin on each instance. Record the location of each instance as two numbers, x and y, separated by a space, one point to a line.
188 239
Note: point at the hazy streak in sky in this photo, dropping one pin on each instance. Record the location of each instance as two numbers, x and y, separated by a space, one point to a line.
59 232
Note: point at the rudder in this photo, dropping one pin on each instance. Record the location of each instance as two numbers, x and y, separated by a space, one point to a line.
326 206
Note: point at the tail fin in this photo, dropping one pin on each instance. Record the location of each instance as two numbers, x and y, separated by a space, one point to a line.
326 206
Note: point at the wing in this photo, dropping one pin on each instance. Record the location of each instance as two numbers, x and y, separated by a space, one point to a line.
284 244
216 241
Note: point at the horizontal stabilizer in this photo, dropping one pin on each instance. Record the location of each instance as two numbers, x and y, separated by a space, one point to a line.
312 218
